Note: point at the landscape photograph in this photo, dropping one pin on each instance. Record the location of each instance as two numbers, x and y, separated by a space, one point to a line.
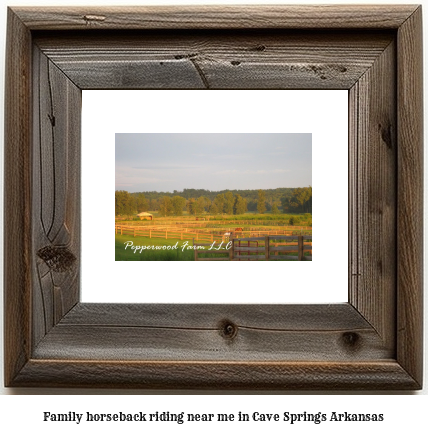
213 197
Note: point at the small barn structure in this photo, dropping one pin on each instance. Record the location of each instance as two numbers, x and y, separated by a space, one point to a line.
145 216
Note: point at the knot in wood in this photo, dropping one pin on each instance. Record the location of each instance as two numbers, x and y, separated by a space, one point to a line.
58 259
351 340
386 134
260 48
228 330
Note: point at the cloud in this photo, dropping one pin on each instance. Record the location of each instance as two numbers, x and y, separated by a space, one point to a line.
251 172
215 161
164 167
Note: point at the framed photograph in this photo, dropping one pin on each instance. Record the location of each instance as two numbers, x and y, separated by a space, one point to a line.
373 340
188 196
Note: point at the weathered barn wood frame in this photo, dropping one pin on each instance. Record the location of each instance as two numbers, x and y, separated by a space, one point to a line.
372 342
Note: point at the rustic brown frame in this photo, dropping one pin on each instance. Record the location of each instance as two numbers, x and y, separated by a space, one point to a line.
372 342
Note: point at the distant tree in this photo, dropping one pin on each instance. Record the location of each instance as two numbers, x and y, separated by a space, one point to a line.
190 205
252 205
165 206
213 208
275 209
124 203
219 201
154 204
240 205
141 203
207 202
178 203
261 199
199 205
299 200
228 202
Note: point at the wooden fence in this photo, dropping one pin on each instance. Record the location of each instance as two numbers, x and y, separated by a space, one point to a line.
259 223
179 226
218 233
270 232
177 234
268 248
226 226
192 221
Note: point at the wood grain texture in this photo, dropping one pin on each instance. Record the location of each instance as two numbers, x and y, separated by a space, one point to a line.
197 332
216 59
373 196
410 197
372 342
385 375
213 16
17 199
274 317
56 194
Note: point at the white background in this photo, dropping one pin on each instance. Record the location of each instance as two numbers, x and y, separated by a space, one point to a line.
322 113
16 412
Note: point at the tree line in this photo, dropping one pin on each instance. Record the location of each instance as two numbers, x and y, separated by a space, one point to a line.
237 202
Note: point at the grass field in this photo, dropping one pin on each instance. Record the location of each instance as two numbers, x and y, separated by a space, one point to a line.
168 248
157 250
134 253
253 218
128 254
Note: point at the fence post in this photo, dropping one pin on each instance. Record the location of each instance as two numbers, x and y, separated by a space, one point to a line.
267 248
232 247
300 248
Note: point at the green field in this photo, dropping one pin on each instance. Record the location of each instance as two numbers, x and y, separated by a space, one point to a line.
303 219
128 254
161 249
181 253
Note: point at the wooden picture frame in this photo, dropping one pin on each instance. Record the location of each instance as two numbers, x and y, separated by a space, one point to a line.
372 342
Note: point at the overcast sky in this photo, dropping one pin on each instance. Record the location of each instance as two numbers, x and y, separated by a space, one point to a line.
168 162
